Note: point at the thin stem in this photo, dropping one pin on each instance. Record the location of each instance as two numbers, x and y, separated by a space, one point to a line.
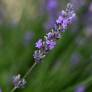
30 70
13 89
25 76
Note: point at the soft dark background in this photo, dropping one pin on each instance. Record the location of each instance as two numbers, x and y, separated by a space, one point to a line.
68 68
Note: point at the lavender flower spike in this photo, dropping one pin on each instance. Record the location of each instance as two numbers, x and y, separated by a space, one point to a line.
48 43
65 18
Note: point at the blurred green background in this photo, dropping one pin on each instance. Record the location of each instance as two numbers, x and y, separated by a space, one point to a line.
68 68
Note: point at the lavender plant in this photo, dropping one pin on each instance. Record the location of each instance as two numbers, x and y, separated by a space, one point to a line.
48 43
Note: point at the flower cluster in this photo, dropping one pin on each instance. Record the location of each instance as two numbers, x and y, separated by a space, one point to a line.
18 82
46 44
66 16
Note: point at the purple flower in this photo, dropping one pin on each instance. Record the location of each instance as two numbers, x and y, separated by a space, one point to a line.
38 55
72 17
50 35
63 13
53 35
16 79
80 88
39 44
18 82
51 44
66 17
59 20
65 23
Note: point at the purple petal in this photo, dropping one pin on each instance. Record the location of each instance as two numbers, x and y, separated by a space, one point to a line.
39 44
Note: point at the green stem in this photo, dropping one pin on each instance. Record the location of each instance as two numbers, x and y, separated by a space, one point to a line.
30 70
13 89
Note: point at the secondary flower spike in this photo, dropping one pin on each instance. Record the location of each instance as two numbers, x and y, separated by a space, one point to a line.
49 41
18 82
